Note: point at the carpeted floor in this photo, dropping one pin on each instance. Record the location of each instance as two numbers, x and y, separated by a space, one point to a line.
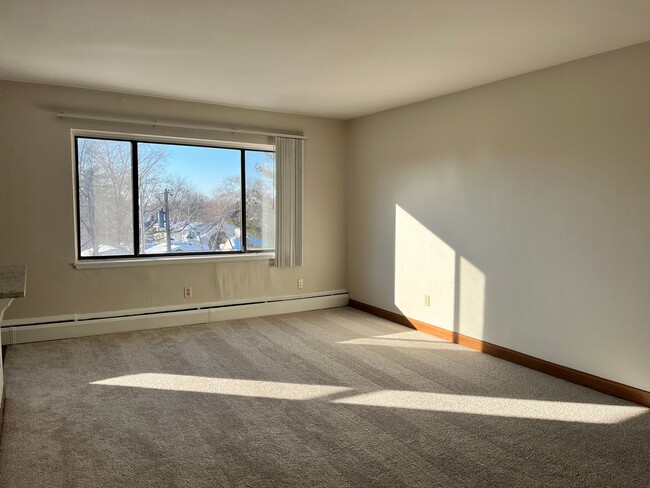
329 398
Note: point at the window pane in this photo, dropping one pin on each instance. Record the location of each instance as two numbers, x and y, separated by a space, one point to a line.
190 199
105 201
260 200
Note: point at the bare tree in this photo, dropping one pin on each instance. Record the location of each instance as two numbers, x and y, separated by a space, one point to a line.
212 220
86 173
224 207
188 208
260 202
106 191
152 160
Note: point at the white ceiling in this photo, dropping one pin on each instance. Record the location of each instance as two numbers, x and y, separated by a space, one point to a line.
336 58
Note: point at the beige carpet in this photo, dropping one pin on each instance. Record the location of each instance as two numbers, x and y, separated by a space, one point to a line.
329 398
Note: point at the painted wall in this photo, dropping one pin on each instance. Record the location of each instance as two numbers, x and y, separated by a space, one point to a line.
36 198
522 208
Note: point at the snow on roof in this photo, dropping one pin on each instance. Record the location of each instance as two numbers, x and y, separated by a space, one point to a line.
106 250
176 246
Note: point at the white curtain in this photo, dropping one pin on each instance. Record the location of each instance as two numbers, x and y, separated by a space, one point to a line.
288 208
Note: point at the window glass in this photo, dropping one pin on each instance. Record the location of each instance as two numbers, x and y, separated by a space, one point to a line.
190 199
260 200
105 198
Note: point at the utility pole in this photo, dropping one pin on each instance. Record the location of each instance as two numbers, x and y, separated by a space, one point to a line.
143 239
167 229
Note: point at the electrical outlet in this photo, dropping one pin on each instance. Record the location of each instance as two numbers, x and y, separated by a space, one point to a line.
427 300
301 283
188 292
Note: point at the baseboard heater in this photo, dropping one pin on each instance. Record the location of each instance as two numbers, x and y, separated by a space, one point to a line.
53 328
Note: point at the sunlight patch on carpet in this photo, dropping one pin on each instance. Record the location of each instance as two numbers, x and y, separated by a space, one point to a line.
589 413
224 386
559 411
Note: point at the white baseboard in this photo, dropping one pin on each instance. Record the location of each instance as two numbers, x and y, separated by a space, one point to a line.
123 322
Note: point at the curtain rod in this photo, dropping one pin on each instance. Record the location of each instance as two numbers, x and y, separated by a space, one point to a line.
155 123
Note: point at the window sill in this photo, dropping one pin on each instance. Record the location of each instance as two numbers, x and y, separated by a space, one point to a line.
154 261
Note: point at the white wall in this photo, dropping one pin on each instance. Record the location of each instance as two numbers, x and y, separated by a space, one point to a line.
522 207
36 205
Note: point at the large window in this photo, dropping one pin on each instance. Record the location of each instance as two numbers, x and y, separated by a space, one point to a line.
141 198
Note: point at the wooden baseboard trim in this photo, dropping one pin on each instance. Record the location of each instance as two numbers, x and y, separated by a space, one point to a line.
597 383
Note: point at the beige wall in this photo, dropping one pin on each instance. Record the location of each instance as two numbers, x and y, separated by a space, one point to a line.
521 207
36 205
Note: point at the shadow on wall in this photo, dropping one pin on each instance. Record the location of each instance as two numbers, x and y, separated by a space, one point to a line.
433 282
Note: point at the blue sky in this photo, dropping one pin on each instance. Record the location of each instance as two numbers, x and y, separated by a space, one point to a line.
206 167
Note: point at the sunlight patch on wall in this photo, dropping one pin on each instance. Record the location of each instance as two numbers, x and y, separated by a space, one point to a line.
433 283
424 265
471 297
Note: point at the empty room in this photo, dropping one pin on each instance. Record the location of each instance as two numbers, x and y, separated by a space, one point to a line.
361 243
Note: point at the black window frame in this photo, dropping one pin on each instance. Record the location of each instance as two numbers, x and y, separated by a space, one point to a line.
136 201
